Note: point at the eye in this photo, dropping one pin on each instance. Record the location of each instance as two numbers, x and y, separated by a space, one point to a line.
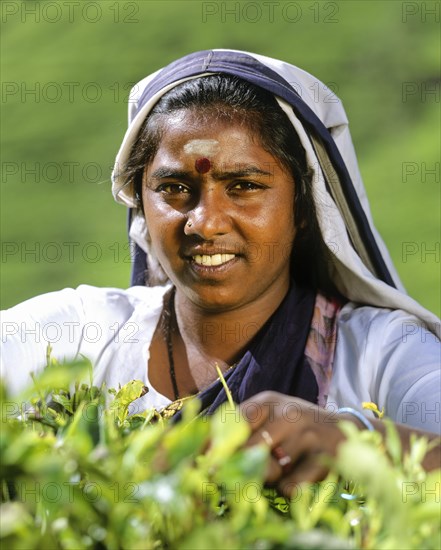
246 186
173 188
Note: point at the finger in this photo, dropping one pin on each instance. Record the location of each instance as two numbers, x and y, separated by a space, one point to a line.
279 465
296 460
259 409
262 436
281 469
280 462
310 470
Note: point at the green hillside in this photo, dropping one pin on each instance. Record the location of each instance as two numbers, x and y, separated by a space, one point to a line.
66 71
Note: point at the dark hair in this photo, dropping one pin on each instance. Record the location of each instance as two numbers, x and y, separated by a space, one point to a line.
229 98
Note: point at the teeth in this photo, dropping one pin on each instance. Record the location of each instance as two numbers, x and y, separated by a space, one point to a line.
215 259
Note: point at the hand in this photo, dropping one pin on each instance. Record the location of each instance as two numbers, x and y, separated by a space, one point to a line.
301 435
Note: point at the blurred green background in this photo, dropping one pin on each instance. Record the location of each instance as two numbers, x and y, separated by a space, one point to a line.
67 68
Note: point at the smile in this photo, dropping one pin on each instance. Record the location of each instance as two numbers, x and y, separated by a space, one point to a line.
212 260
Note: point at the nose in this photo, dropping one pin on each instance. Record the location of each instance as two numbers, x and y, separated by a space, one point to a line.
210 217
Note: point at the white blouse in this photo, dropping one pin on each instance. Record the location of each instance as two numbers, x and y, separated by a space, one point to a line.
383 356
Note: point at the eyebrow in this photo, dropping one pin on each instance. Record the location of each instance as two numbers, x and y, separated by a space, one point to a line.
242 172
168 172
165 172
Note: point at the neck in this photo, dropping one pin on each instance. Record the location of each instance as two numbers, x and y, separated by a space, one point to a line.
222 336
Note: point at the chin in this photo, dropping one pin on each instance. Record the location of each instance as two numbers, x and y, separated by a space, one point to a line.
213 299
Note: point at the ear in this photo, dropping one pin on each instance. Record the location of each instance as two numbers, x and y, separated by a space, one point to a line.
139 233
156 275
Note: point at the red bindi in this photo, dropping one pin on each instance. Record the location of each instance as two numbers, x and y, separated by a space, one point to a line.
202 165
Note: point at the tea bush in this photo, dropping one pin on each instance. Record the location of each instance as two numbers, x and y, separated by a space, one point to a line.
81 468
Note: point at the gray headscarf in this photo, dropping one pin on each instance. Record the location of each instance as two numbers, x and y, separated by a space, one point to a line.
353 268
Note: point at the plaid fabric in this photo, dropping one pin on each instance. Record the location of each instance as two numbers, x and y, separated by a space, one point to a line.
320 345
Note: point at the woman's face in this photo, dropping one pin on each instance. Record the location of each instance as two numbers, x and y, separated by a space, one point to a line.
222 229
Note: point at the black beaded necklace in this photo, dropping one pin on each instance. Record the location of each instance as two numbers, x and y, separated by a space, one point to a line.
169 320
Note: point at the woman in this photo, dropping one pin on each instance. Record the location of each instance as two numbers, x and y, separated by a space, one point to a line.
254 251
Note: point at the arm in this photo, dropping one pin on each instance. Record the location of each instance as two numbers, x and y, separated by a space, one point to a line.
382 356
55 318
389 358
108 326
306 433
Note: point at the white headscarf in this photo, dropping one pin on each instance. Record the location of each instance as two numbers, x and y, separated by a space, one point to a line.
350 271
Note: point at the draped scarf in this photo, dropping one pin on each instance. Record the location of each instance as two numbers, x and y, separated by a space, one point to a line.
291 354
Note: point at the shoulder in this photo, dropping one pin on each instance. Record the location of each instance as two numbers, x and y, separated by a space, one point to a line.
365 323
389 357
69 311
121 299
94 322
373 336
85 300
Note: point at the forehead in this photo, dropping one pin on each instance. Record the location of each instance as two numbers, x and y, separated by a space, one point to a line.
206 147
187 134
223 150
228 142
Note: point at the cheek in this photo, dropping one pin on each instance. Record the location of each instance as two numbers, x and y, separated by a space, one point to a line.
156 212
285 241
281 227
278 217
164 225
156 221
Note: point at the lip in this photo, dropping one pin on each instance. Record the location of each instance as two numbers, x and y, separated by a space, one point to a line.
211 270
212 260
201 250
